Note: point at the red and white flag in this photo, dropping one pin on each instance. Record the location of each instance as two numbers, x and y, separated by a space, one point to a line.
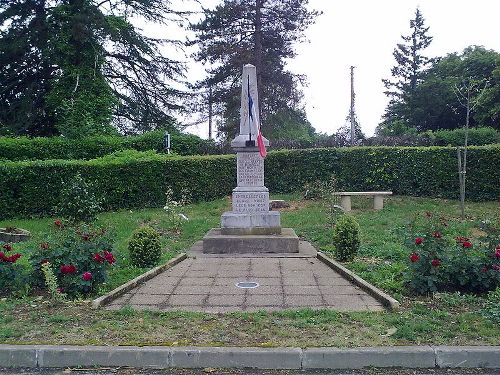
255 124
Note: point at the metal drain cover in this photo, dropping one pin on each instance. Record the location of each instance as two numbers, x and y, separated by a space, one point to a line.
247 284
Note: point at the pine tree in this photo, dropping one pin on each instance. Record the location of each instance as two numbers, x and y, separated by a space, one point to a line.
258 32
409 70
72 66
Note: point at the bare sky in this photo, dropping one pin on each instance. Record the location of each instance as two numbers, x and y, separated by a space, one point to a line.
364 33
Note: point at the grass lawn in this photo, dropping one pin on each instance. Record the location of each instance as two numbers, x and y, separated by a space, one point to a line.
445 318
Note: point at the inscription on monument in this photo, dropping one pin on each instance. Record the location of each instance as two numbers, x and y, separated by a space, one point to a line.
250 202
250 169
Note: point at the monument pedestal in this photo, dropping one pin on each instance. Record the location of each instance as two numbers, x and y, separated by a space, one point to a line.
250 227
215 242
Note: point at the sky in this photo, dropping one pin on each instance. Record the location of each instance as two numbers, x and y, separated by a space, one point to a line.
364 33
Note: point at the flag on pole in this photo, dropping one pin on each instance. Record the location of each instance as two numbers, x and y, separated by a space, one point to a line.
255 125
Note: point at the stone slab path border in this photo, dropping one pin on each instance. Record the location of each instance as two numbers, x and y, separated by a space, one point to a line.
47 356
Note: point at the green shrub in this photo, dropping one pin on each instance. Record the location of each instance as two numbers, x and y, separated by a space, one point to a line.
140 180
346 238
144 247
80 258
440 261
78 202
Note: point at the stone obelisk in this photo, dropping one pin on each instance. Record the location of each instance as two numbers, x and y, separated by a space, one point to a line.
250 200
250 226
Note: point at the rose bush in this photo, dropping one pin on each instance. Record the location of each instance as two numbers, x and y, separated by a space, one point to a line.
441 261
12 274
80 258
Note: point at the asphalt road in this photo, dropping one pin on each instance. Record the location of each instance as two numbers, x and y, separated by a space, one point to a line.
128 371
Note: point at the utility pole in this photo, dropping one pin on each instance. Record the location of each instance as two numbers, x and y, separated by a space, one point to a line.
210 112
351 112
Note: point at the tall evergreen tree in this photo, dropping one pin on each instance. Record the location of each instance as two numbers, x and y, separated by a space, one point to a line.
71 66
258 32
409 70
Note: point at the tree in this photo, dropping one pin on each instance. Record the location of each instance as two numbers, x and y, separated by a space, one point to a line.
434 103
71 66
468 94
259 32
408 72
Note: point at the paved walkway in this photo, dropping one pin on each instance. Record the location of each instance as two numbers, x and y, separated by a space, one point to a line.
209 284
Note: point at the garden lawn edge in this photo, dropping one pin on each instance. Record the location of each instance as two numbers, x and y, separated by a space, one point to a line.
47 356
379 295
117 292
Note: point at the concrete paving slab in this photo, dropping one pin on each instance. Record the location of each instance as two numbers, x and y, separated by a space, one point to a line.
266 289
147 299
186 299
225 300
303 300
259 300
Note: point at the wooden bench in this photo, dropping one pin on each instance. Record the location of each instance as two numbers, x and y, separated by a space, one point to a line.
378 198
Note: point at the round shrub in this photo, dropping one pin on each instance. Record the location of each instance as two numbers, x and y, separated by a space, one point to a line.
346 238
144 247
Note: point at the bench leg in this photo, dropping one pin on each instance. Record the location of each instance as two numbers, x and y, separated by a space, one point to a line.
378 202
345 202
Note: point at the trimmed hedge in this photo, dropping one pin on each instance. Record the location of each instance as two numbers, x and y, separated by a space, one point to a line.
23 148
128 181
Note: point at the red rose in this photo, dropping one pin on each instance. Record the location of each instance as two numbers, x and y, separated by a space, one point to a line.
58 223
44 245
497 253
414 257
60 290
68 268
436 263
109 257
98 258
496 267
85 236
12 258
436 234
467 244
419 240
87 276
461 239
7 247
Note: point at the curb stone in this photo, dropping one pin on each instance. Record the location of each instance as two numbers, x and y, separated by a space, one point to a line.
468 356
48 356
115 293
400 356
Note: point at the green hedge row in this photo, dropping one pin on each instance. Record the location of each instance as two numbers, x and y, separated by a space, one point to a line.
23 148
127 181
456 137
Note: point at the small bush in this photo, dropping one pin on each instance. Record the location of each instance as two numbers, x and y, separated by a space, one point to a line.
346 238
144 247
440 261
78 202
80 258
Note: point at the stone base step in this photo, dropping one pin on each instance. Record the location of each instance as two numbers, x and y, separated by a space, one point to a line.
215 242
